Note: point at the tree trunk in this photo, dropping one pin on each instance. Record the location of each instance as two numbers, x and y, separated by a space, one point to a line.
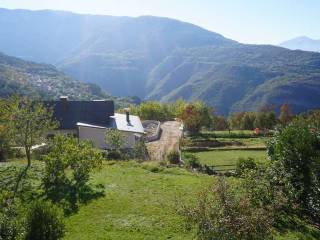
28 153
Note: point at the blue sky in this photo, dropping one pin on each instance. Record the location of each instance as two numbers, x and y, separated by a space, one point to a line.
247 21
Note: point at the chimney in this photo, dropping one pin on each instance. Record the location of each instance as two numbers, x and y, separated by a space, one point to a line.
127 110
64 101
64 98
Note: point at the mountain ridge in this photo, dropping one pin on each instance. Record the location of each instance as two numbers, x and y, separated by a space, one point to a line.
302 43
163 59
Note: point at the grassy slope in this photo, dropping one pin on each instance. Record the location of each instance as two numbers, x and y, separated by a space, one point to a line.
229 157
138 204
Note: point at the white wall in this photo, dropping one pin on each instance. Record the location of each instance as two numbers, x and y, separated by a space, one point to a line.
97 136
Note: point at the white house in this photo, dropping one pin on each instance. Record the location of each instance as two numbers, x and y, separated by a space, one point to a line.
130 126
89 120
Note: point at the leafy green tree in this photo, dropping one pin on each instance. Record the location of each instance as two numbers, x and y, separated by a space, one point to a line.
195 116
220 123
295 153
150 111
247 121
5 133
285 114
158 111
29 121
44 222
4 142
178 107
78 158
235 119
265 120
140 151
116 141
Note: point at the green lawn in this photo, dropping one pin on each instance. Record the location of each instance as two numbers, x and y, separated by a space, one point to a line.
229 157
138 204
247 142
236 139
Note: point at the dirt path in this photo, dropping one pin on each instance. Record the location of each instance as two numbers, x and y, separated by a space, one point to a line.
168 141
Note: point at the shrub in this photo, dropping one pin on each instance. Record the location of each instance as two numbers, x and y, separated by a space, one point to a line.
11 218
294 153
116 142
140 151
155 168
207 170
245 164
222 214
173 157
44 222
191 161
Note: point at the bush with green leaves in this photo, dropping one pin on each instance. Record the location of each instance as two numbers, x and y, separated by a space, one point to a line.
116 143
245 164
295 156
140 151
11 218
173 157
68 167
191 161
222 214
44 222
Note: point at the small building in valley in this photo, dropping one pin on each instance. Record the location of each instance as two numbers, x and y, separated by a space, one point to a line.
88 120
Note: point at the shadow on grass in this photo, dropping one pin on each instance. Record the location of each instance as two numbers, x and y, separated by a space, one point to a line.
69 196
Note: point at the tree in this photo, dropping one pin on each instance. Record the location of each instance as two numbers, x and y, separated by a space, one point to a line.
235 120
140 151
5 133
78 158
116 142
195 116
29 121
247 121
295 155
220 123
4 142
285 114
265 120
150 111
178 107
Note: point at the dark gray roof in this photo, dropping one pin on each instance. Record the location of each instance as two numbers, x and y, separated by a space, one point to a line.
68 113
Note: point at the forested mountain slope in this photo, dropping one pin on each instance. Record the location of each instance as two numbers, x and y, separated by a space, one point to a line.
163 59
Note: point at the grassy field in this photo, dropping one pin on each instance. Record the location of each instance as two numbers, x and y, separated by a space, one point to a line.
233 140
140 202
247 142
229 157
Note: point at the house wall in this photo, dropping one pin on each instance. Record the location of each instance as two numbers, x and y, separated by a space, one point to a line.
97 136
